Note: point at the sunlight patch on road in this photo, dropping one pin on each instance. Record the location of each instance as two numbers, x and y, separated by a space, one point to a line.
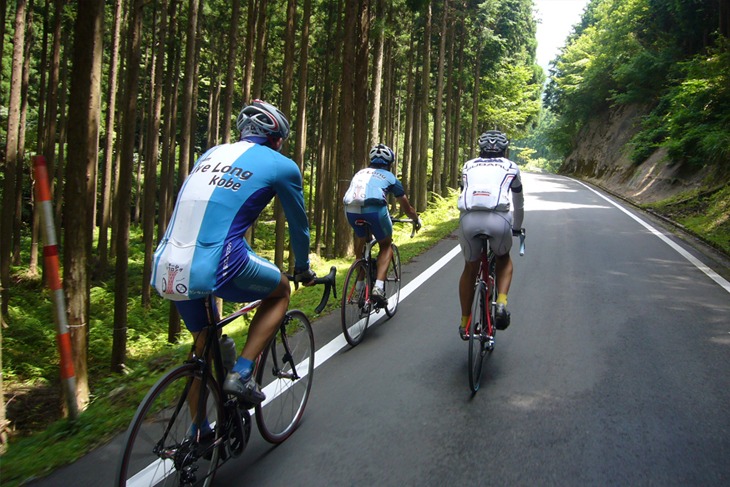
537 204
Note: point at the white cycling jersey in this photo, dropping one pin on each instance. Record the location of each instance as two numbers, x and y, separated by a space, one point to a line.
486 184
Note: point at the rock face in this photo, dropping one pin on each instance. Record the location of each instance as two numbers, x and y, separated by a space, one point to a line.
602 157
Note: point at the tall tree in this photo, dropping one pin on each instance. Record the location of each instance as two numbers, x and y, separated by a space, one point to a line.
167 173
188 88
231 70
260 60
343 236
301 119
11 156
83 149
249 50
438 116
22 172
126 168
362 53
379 28
152 153
286 100
422 180
111 99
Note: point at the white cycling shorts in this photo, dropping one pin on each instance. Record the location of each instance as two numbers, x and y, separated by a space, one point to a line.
496 224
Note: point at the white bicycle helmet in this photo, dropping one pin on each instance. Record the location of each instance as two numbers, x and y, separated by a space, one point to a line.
262 119
381 154
493 141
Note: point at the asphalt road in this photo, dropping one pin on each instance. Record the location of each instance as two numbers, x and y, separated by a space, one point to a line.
613 372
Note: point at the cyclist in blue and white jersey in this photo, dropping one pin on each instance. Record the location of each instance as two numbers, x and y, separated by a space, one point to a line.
487 184
366 199
204 250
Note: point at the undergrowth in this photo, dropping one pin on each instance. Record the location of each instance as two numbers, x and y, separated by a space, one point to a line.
705 213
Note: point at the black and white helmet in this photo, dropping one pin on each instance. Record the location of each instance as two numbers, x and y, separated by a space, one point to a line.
493 141
382 154
262 119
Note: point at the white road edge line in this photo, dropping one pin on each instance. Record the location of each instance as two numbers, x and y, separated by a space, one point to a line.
273 390
692 259
336 344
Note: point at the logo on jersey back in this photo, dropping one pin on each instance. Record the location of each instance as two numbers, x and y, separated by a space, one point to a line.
169 284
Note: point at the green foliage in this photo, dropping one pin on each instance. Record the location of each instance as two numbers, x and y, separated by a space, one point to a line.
707 214
654 53
537 150
513 100
692 117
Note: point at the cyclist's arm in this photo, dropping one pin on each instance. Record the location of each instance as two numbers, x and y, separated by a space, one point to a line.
518 202
289 189
405 207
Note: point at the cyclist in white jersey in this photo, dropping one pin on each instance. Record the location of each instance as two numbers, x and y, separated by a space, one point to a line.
204 250
489 182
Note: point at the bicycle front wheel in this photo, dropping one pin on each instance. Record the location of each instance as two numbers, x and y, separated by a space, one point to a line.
355 309
285 374
159 449
392 282
476 353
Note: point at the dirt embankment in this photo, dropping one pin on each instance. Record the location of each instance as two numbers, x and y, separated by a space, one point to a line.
602 157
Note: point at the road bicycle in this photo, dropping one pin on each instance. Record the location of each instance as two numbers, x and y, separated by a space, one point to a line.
160 448
357 302
481 328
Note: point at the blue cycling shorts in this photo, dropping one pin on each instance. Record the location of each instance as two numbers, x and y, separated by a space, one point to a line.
256 280
378 218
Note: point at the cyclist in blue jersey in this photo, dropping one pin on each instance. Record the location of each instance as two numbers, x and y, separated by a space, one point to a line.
204 250
366 199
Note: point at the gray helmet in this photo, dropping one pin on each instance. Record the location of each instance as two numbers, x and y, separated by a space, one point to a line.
381 154
493 141
262 119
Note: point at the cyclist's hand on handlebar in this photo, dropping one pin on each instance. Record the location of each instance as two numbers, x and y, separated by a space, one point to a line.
418 223
516 232
306 276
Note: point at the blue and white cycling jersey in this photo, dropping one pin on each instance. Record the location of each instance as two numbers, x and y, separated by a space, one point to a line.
370 187
204 246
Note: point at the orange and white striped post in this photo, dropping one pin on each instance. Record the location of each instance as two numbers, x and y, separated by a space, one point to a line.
52 270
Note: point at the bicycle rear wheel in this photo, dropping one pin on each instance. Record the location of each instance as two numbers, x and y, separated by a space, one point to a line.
355 309
158 449
476 350
392 282
285 374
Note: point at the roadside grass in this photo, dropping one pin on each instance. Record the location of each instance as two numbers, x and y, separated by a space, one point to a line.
46 441
704 213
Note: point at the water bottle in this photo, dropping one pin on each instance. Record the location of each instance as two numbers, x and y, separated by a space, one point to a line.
228 352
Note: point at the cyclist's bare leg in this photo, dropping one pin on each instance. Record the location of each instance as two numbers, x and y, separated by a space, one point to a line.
504 273
194 394
386 252
360 243
360 246
267 320
466 286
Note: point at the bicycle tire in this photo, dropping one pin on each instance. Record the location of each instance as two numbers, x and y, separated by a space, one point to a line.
393 282
157 450
476 341
355 309
286 387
